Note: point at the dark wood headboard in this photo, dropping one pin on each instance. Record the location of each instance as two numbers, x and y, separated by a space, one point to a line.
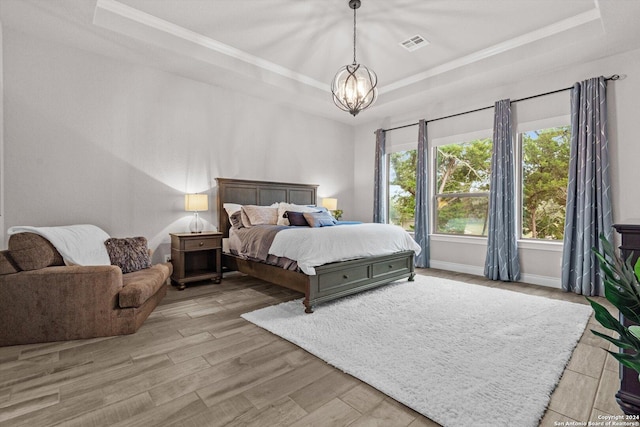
261 193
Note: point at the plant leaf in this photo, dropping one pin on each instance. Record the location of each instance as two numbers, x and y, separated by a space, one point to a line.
606 319
635 330
629 360
618 342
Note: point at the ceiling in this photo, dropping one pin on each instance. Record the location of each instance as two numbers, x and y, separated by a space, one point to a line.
289 50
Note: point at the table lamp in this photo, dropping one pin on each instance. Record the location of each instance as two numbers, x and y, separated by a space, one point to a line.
332 206
195 203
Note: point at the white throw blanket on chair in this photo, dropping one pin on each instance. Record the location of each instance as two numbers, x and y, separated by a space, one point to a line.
78 244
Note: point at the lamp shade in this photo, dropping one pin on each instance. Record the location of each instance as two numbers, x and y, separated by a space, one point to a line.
330 203
196 202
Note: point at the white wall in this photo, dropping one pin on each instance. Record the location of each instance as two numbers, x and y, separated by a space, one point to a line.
89 139
540 263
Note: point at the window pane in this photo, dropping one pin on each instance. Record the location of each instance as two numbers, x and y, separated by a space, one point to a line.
463 215
545 169
402 188
463 174
464 168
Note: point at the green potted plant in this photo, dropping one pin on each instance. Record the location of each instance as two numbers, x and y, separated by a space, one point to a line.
622 289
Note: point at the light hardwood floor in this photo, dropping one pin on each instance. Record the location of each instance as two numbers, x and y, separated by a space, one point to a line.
195 362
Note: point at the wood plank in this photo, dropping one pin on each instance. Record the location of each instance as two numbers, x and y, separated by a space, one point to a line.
64 410
281 413
210 345
242 381
220 414
334 413
385 414
363 398
144 381
172 411
323 390
106 377
167 347
11 409
273 390
112 414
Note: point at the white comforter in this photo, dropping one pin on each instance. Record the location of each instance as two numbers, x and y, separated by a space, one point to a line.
312 247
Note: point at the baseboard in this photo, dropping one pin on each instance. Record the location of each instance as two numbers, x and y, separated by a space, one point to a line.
458 268
534 279
548 281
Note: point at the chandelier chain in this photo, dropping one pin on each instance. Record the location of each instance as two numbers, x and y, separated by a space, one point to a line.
354 36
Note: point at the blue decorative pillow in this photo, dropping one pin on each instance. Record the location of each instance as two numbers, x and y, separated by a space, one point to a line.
319 219
296 219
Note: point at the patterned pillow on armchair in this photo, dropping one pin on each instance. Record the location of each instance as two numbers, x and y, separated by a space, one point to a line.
129 253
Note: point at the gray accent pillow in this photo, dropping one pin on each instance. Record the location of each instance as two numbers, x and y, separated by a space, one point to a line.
319 219
296 219
130 253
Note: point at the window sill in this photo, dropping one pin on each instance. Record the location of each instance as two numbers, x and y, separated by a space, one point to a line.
540 245
452 238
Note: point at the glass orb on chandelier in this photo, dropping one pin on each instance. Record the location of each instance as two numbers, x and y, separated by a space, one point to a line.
354 88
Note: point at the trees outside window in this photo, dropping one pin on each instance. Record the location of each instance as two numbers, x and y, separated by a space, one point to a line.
462 187
402 188
545 169
462 178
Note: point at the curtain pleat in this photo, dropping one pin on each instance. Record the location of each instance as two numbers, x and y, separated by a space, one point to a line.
421 234
379 205
502 261
588 192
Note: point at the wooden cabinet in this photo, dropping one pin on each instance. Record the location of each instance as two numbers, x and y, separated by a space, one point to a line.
196 257
628 397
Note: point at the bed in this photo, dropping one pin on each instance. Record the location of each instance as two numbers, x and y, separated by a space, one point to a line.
331 281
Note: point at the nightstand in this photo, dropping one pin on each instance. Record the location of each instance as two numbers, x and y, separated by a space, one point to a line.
195 257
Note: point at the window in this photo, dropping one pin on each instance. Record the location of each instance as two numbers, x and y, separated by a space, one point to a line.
402 188
545 166
462 187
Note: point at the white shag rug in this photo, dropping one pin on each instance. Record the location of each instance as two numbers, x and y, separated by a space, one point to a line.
457 353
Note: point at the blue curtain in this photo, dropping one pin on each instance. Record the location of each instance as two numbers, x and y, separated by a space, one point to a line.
380 179
588 202
502 262
422 197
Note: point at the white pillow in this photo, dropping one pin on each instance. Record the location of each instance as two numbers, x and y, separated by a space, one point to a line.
283 207
231 208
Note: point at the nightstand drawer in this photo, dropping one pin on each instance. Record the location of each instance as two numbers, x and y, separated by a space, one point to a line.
205 243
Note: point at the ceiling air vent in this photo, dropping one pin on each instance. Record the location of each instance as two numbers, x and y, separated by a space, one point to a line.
414 43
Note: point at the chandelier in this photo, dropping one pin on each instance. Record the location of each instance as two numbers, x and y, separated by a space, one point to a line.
354 86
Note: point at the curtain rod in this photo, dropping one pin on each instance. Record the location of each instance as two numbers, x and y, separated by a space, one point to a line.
613 77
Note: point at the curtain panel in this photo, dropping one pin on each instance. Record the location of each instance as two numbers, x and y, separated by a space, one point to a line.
588 192
421 234
502 261
379 193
